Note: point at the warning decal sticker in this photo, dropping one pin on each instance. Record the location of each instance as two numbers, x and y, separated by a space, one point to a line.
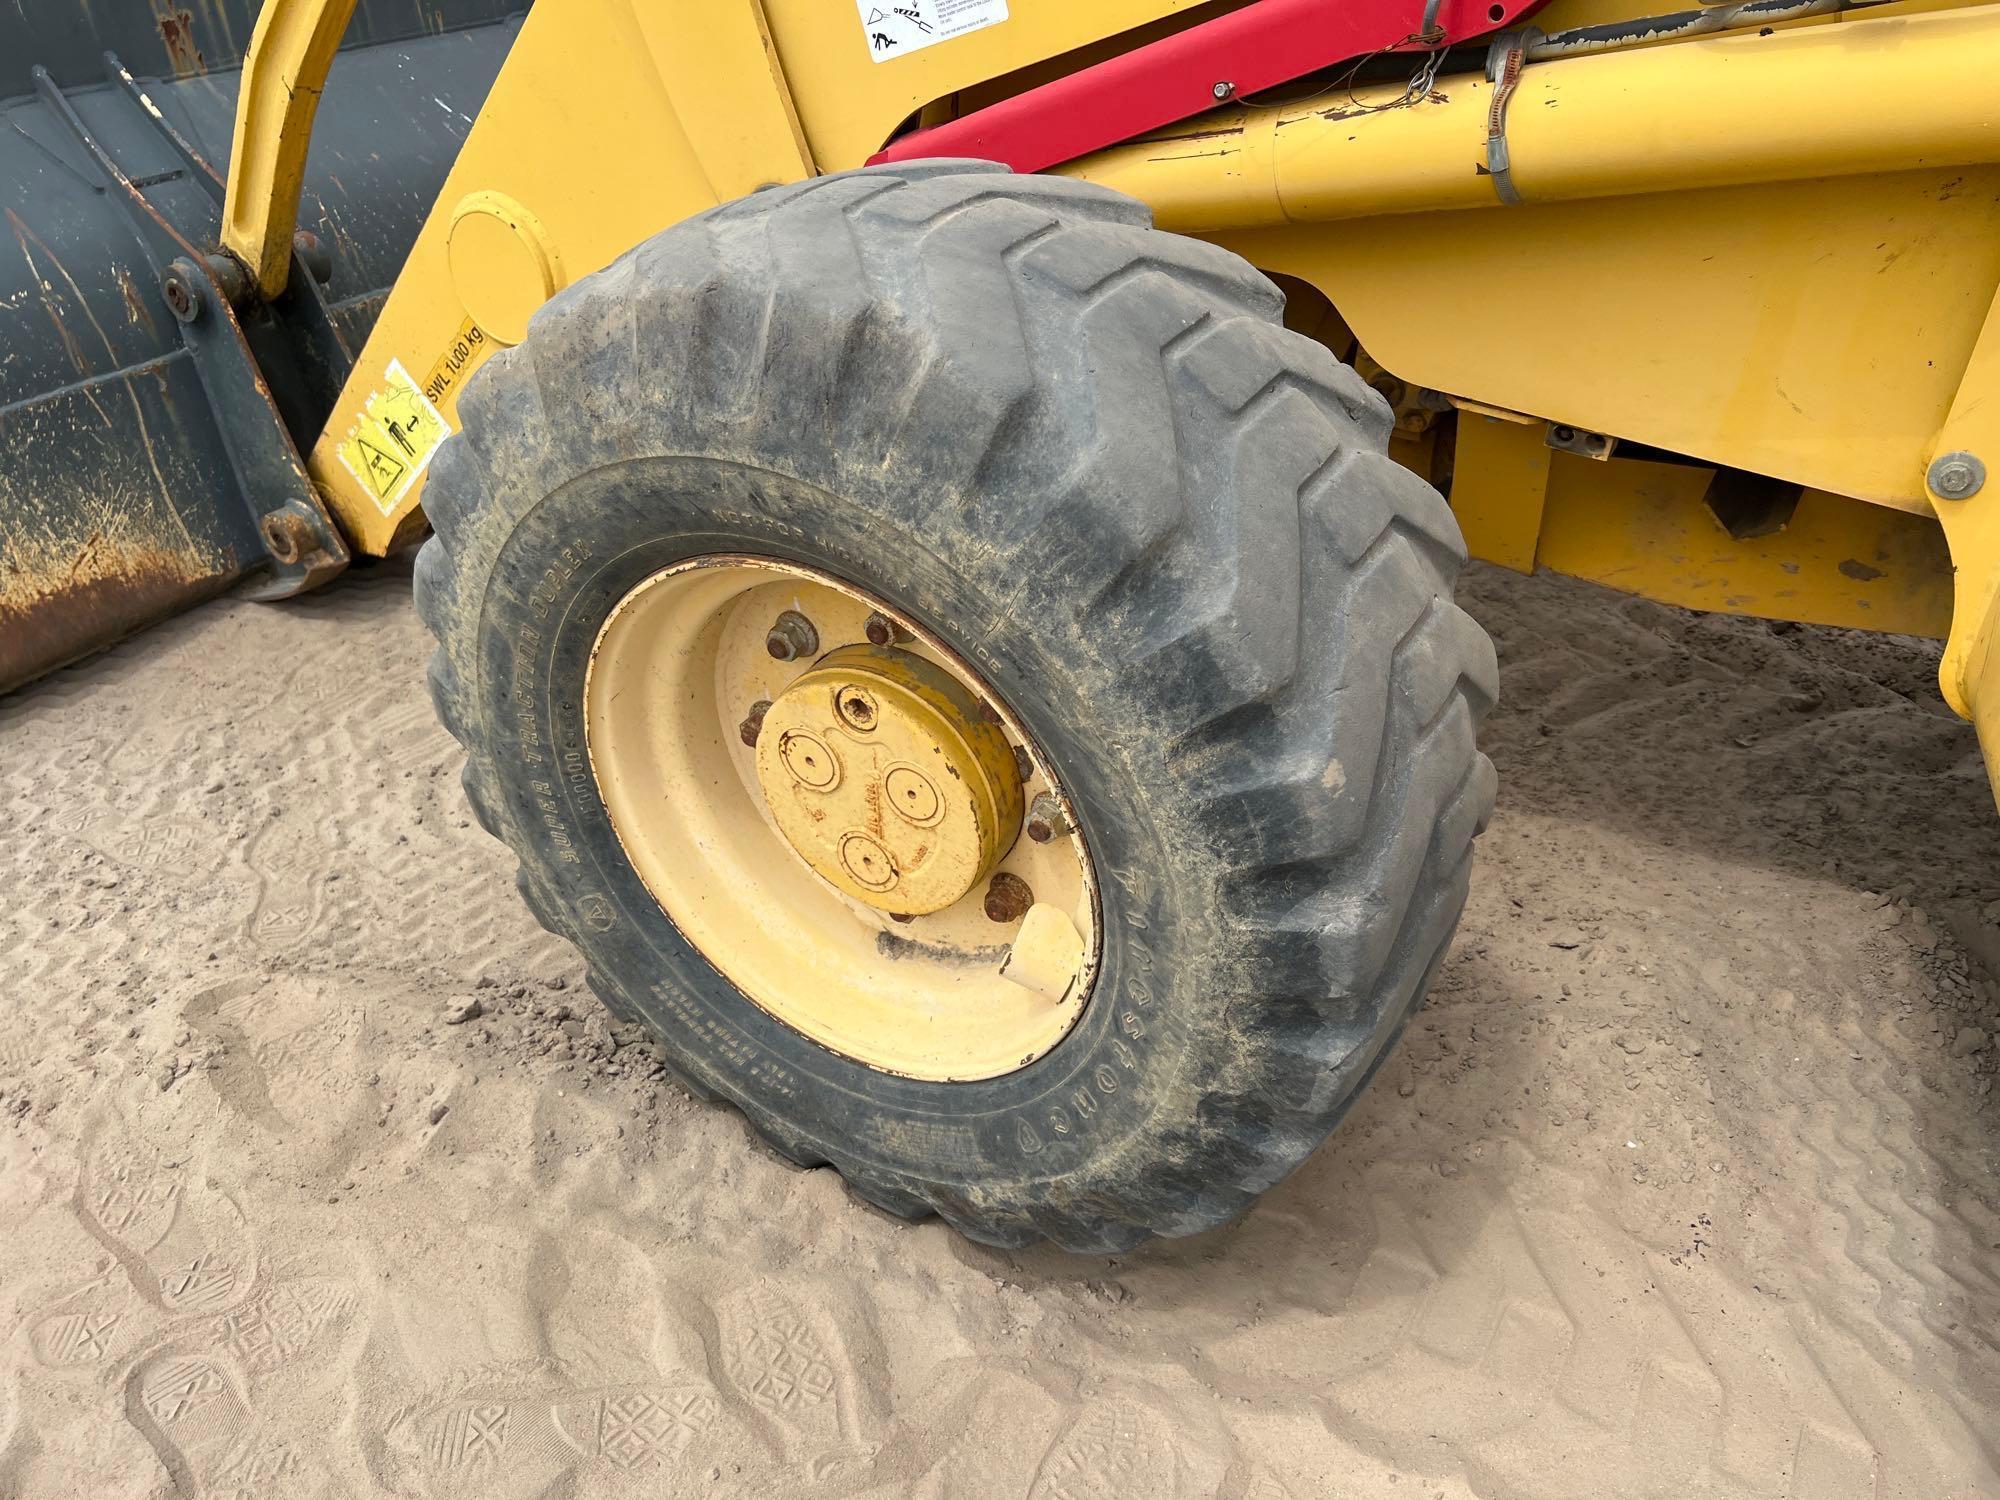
894 27
394 437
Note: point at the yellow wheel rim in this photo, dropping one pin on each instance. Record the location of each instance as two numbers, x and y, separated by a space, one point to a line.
842 817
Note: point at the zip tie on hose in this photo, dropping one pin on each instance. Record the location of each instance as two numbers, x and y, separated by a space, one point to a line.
1504 61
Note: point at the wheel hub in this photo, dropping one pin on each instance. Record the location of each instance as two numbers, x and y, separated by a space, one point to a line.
839 828
881 772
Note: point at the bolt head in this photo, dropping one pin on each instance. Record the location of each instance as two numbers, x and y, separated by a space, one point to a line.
182 291
1223 90
753 722
1956 475
880 630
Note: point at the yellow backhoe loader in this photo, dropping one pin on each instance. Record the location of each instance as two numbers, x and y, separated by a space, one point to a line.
937 517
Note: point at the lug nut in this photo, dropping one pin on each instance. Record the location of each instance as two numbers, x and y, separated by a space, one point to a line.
753 722
792 638
883 631
1046 820
1008 898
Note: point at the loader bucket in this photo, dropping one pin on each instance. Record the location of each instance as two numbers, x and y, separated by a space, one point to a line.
150 429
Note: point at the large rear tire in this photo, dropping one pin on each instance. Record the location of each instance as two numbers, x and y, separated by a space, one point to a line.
1084 456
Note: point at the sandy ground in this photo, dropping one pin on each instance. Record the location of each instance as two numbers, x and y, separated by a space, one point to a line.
1684 1184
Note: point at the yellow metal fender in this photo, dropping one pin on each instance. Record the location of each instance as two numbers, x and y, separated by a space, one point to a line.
610 120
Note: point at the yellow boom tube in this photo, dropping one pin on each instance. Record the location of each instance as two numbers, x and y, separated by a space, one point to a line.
1863 97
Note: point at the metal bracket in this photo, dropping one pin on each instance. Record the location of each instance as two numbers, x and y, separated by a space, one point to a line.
302 546
1969 512
302 314
1581 441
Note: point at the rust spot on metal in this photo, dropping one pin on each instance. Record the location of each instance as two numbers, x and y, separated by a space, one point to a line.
104 594
136 306
286 536
94 546
857 706
30 242
177 31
